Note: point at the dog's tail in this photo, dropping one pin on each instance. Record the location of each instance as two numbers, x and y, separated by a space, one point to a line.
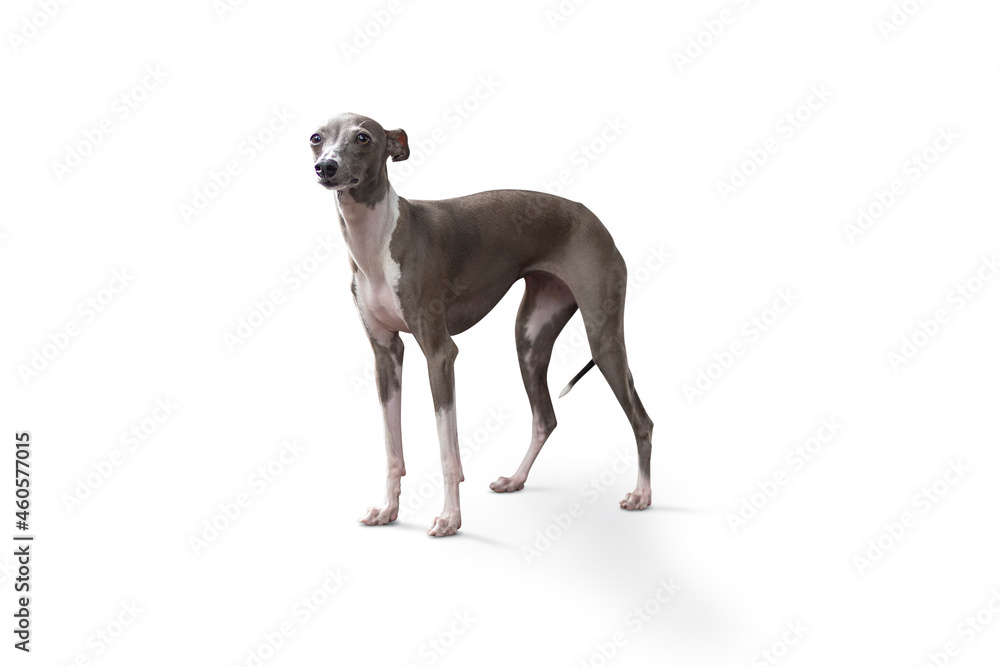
576 378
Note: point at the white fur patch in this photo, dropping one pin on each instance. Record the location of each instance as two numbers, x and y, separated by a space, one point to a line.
368 233
548 302
543 313
390 267
451 458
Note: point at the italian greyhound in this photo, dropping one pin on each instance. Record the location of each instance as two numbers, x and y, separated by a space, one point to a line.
434 268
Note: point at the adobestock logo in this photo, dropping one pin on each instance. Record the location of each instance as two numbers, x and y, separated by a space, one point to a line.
911 170
752 330
923 501
218 180
230 511
304 609
131 439
367 32
58 341
926 330
122 106
453 117
780 647
787 126
712 29
586 154
32 24
437 646
966 631
562 522
796 458
899 16
635 620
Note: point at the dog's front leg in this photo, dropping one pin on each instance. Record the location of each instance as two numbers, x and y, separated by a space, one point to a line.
441 352
388 349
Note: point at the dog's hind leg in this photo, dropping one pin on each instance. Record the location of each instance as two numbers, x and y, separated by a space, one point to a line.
602 305
545 308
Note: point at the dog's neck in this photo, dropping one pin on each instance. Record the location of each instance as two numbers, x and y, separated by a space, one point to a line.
367 224
373 188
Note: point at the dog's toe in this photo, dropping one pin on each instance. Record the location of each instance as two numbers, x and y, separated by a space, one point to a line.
444 526
378 516
639 499
507 485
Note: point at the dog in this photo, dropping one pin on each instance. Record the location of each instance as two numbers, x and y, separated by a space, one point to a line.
433 269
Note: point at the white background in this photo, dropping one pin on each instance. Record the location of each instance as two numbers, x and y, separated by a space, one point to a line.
304 374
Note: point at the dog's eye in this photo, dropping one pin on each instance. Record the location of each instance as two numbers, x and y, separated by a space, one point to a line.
363 138
315 140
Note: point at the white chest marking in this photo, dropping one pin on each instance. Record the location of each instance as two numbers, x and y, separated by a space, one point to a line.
368 233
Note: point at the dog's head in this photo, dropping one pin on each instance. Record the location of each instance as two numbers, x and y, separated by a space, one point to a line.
351 150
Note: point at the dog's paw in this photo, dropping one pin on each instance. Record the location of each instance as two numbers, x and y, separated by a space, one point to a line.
379 516
445 525
507 484
639 499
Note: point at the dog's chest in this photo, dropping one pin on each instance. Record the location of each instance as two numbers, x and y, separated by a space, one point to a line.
377 294
368 232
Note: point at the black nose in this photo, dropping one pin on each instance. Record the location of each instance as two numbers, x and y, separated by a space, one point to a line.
326 168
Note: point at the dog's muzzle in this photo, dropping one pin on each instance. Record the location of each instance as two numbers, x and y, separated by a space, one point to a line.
326 169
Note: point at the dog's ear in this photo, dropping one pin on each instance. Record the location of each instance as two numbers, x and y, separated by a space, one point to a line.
397 146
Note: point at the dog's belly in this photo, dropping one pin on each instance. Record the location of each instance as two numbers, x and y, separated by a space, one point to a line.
471 303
